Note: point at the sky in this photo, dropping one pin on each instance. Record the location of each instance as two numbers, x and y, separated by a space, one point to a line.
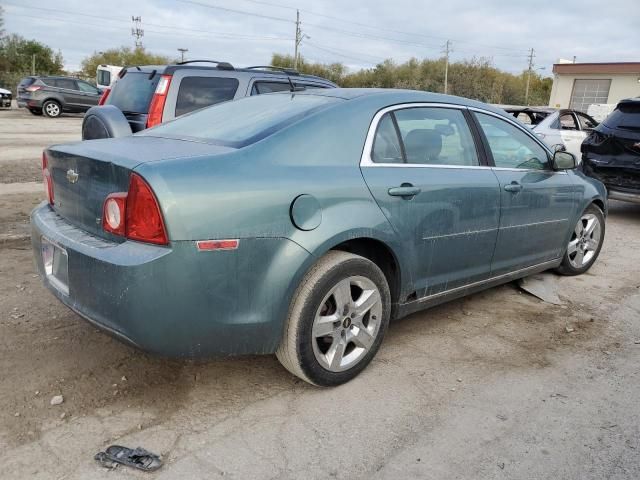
358 33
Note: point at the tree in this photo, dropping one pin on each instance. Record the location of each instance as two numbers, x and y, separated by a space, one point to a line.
19 55
122 56
475 78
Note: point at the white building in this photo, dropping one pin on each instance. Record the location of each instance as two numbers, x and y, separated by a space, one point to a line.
579 85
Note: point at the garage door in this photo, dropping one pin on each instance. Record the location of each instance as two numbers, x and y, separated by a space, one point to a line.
588 92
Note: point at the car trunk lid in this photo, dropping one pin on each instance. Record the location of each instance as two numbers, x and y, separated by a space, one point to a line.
83 174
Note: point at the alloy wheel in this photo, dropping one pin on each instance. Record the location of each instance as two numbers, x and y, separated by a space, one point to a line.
53 110
347 323
585 240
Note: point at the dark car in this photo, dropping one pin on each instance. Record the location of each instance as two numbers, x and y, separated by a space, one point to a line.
54 95
611 153
153 94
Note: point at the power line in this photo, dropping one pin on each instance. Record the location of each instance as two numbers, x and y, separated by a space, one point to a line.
376 27
208 34
342 54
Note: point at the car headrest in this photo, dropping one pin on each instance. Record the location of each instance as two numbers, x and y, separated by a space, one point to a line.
423 146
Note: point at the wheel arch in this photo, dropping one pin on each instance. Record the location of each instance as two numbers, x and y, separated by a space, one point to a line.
380 253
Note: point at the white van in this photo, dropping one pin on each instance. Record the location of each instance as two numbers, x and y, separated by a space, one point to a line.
106 75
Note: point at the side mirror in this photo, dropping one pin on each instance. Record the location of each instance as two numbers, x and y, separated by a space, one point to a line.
563 161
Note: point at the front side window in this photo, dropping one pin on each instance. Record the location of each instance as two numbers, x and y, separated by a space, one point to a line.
199 92
510 146
427 136
85 87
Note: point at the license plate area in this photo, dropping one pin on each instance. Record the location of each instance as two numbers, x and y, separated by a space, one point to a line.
56 265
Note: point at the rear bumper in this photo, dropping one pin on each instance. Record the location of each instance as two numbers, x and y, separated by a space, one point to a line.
174 301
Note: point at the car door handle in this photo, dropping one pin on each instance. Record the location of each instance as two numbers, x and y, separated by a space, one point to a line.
405 190
513 187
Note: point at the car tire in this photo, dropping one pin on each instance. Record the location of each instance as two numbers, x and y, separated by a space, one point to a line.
51 109
585 242
337 319
105 121
35 111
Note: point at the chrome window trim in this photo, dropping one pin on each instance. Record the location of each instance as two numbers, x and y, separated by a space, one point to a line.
366 161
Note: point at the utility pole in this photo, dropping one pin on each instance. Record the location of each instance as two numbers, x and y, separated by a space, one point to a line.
298 40
33 64
136 31
531 56
182 52
447 50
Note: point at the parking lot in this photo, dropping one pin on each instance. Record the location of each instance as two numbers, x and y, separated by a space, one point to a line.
496 385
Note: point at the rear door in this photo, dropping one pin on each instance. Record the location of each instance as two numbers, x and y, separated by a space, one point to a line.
424 171
73 97
537 202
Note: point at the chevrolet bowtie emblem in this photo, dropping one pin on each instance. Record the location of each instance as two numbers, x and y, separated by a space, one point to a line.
72 175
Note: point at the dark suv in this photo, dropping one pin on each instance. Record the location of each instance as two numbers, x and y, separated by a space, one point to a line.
611 153
54 95
150 95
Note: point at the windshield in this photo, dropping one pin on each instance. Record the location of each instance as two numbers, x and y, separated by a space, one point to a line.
132 93
245 121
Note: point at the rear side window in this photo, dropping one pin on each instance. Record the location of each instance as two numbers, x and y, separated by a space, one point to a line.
66 83
133 92
200 92
270 87
386 145
626 116
104 77
25 82
85 87
244 121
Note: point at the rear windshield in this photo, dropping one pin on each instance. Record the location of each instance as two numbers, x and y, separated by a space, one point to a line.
132 93
625 116
245 121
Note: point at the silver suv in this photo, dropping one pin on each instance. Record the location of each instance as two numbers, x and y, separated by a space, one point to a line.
153 94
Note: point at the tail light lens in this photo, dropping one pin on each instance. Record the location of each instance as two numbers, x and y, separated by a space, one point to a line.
104 96
33 88
135 214
157 102
48 181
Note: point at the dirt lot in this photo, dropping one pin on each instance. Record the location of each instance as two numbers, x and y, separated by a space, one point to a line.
492 386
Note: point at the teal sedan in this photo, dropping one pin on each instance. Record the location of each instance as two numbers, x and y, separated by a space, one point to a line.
301 223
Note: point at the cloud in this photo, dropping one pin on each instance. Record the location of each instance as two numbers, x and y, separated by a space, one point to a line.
356 32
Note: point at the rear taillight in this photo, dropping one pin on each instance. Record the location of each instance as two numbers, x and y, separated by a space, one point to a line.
135 214
104 96
157 102
46 175
33 88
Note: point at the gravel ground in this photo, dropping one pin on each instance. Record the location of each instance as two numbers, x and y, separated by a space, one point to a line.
491 386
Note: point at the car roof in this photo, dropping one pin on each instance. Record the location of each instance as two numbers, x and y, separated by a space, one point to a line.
225 67
392 96
511 108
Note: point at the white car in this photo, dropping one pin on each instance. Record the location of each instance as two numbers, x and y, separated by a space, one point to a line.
5 98
556 127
